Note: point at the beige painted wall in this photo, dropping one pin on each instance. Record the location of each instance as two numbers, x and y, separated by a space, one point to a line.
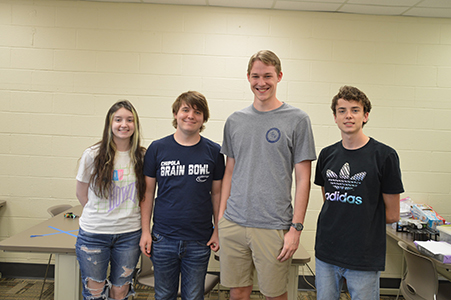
64 63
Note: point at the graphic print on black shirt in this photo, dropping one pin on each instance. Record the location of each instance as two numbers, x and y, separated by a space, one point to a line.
344 181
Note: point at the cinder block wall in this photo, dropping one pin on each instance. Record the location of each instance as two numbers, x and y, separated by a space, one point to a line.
64 63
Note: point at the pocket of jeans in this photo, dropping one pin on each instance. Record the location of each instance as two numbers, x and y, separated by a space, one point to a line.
156 238
85 235
203 243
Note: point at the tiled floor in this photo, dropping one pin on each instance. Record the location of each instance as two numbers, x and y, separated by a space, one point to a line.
27 289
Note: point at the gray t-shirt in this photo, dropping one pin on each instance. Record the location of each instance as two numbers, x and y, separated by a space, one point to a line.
265 146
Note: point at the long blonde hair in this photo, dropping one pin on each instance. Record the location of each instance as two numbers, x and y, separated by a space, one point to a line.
102 177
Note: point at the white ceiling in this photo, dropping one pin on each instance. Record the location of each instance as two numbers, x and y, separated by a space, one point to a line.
415 8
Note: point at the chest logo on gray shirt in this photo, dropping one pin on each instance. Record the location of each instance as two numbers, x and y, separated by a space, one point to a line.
273 135
345 181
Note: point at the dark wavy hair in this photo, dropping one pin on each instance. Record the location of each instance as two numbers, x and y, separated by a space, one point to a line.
102 177
350 93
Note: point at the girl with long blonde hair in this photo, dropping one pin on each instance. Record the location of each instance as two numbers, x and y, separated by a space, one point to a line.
110 186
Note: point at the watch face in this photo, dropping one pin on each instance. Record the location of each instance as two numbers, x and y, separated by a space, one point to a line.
298 226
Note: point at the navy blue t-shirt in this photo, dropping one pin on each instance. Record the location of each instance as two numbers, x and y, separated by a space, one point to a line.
183 208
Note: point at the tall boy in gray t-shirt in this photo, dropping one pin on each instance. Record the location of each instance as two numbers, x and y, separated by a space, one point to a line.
263 143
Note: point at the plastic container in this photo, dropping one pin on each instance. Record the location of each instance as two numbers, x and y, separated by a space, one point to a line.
445 233
425 213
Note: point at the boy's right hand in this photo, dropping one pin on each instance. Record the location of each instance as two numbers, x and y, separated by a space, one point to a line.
146 244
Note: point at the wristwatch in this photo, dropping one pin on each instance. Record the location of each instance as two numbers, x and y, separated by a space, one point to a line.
297 226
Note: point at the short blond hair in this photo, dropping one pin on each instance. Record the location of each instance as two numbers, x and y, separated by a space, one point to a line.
268 58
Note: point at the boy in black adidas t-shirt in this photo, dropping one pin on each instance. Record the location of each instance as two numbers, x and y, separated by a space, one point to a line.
361 184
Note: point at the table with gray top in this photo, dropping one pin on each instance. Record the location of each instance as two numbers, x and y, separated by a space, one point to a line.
300 258
443 269
58 236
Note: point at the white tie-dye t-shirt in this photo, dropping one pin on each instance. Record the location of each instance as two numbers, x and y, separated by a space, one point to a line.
118 214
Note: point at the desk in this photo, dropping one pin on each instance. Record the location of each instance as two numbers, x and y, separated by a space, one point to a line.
67 274
300 258
442 268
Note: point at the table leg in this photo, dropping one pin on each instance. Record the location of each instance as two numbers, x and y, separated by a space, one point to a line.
293 276
67 277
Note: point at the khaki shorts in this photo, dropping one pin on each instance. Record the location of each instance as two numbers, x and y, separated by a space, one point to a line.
244 249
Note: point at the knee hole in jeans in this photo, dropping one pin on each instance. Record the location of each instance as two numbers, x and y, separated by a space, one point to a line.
120 292
97 288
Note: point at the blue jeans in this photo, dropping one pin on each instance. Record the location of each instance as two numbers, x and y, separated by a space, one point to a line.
362 285
174 258
96 251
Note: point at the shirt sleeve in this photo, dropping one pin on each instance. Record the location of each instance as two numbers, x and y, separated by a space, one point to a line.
304 141
85 167
227 141
150 168
219 167
319 179
391 178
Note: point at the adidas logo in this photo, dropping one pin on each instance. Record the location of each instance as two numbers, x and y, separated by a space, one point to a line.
344 181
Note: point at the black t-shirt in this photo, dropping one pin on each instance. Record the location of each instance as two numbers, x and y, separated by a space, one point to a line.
351 225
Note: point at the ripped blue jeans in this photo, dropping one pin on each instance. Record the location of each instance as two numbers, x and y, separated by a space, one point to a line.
96 251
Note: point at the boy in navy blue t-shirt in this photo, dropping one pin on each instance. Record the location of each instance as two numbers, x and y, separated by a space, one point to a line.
188 169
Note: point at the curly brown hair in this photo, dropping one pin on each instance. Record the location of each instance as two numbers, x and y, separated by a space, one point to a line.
350 93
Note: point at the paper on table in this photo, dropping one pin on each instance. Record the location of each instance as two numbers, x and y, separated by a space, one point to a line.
436 247
439 250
